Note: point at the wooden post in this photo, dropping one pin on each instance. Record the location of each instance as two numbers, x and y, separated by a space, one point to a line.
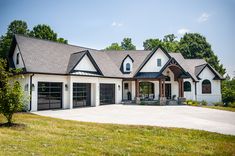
179 82
160 87
182 88
137 88
164 86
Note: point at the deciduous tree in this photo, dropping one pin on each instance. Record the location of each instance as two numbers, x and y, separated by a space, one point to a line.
126 44
194 45
114 46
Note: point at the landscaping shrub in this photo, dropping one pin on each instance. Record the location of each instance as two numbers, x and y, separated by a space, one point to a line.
218 104
11 94
228 91
203 103
189 102
192 103
231 104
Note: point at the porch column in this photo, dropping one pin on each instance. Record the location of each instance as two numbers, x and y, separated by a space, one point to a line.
164 86
181 87
160 88
137 88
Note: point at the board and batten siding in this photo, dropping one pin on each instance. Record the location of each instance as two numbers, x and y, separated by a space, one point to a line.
151 65
85 65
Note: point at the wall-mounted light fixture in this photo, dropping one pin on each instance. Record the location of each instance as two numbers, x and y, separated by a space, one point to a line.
32 87
26 87
66 87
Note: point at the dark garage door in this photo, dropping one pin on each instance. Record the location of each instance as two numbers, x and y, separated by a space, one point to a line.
49 95
81 94
107 94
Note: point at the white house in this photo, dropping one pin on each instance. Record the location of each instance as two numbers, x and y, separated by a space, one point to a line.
60 76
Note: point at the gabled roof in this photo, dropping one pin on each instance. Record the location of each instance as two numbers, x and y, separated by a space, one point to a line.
43 56
49 57
137 55
121 67
75 58
171 61
150 55
200 68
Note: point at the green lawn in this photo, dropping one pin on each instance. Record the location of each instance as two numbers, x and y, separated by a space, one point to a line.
221 108
48 136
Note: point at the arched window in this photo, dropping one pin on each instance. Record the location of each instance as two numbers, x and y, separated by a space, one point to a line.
167 78
206 87
187 86
128 67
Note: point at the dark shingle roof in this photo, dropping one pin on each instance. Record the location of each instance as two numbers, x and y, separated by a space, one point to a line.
43 56
74 58
138 56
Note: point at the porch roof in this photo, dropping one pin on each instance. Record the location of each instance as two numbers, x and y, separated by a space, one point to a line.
149 75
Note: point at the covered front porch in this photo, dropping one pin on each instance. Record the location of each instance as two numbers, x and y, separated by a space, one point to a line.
164 87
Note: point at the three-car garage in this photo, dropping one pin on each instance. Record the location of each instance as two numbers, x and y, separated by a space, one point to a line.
50 95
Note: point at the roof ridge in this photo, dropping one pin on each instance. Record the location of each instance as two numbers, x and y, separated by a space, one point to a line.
123 50
46 40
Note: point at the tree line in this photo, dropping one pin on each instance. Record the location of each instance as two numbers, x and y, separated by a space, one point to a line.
191 45
41 31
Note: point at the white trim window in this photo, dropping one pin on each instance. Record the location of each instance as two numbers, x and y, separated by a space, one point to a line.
128 67
159 62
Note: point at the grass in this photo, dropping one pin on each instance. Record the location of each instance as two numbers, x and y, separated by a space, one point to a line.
221 108
36 135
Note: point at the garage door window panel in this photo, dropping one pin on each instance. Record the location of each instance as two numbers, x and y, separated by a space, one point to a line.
49 95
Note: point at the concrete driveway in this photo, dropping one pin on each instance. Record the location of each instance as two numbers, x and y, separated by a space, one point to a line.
166 116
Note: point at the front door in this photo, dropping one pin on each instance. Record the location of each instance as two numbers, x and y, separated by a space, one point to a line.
126 91
168 91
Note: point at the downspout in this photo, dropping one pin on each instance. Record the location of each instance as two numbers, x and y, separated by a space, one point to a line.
196 90
122 90
30 92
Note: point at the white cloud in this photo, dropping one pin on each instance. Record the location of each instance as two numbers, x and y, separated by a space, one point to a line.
204 17
182 31
116 24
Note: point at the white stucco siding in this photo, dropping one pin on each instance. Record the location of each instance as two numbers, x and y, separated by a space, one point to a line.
49 78
21 63
151 65
190 94
174 84
85 65
215 95
95 87
127 60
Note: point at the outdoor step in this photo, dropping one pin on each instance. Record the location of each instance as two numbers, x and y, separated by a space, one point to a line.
172 102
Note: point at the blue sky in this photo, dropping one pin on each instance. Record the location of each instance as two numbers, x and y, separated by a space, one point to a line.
97 24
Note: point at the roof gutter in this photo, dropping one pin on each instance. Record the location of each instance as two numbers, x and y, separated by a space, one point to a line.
30 87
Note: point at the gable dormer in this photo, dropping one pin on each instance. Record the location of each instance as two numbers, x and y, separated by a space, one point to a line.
127 64
155 61
83 62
